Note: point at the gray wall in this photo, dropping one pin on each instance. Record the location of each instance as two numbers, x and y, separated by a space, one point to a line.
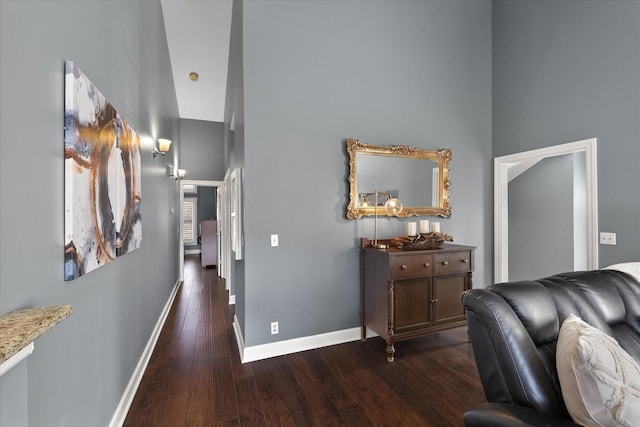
206 203
569 70
80 368
541 244
202 149
234 137
316 73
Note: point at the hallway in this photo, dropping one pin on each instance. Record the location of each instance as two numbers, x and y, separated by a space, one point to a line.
194 347
195 377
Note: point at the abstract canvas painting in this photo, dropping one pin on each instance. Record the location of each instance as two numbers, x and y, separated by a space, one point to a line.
103 193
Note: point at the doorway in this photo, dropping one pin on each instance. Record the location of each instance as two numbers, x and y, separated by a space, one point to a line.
183 183
507 168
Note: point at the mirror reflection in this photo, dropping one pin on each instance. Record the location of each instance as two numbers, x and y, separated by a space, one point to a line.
419 178
410 180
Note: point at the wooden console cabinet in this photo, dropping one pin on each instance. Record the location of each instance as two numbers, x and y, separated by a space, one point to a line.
406 294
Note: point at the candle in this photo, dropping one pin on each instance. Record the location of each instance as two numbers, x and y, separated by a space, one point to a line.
424 226
435 226
411 228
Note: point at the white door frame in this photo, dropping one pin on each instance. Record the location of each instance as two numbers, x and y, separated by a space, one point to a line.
508 167
199 183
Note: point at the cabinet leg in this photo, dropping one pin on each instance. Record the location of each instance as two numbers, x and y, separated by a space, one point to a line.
390 352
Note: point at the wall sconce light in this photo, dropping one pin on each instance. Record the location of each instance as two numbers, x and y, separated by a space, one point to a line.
180 174
163 147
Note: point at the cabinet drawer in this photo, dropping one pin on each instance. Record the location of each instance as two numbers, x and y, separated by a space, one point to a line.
411 266
453 262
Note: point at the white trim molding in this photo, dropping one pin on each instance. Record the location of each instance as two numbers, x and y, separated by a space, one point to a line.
239 338
508 167
181 251
16 358
129 393
295 345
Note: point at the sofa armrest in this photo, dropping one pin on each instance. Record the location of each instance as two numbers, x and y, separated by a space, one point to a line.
505 415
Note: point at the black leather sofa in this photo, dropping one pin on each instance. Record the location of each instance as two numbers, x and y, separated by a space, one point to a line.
514 328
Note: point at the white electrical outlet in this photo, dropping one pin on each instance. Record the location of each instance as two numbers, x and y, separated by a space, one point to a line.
274 328
274 242
607 238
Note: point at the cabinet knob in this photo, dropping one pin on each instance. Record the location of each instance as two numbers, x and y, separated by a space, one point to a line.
466 261
445 262
434 301
403 266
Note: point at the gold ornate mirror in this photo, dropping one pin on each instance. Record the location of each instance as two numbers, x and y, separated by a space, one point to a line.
419 178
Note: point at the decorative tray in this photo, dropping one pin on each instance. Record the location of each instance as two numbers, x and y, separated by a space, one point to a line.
422 241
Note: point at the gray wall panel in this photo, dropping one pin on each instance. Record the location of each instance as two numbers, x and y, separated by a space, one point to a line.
315 73
234 138
569 70
202 149
541 220
79 370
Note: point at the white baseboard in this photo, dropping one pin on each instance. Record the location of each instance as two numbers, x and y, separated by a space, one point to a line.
129 393
232 299
371 334
191 251
280 348
239 339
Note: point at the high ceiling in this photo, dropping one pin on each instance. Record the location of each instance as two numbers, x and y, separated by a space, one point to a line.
198 33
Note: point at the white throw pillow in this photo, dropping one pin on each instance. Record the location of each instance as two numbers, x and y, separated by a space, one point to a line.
600 382
632 268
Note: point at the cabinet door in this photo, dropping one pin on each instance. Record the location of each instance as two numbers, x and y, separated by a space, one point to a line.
412 306
446 295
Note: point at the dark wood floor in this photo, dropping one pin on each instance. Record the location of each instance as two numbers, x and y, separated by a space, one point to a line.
195 376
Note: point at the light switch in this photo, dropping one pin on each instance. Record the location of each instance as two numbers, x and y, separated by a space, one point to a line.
274 240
